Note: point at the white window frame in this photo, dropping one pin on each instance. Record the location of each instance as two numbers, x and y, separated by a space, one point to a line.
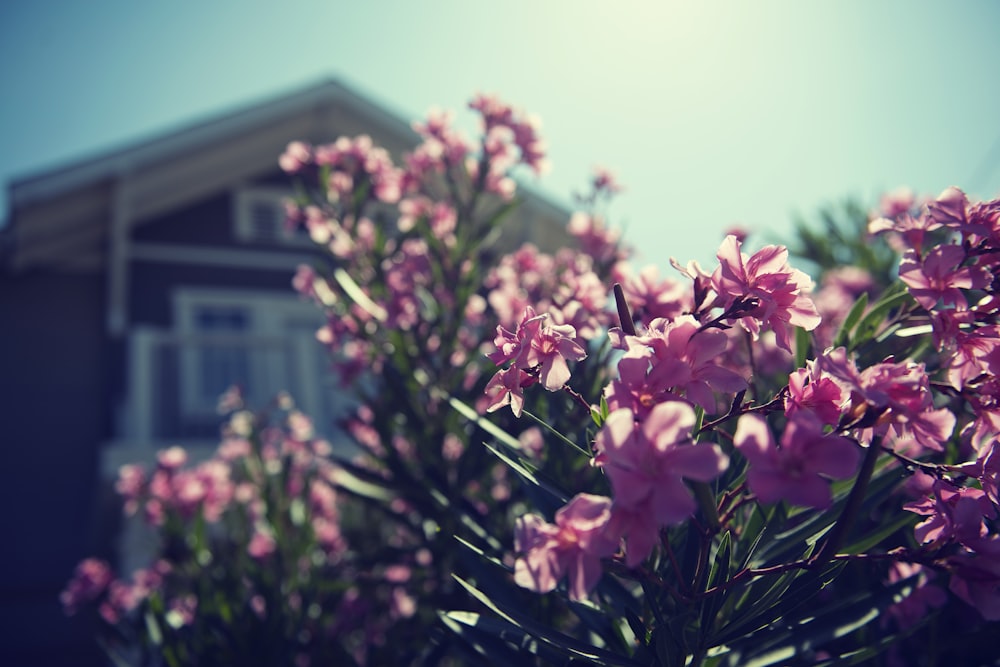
270 315
245 228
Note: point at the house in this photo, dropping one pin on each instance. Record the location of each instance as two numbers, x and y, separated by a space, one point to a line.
134 287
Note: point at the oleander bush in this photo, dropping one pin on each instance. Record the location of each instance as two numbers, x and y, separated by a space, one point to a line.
553 458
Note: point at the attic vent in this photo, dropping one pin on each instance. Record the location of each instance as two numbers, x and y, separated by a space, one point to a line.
260 217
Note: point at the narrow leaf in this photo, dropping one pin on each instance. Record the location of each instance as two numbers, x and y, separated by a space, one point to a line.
853 316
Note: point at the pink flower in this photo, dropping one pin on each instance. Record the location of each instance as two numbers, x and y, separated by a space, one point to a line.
90 580
535 346
130 486
650 296
912 231
839 290
952 209
976 576
639 527
968 351
938 276
181 611
514 346
507 388
572 547
895 397
171 459
648 462
605 181
262 543
532 442
685 359
780 292
799 469
551 348
954 513
634 390
896 202
296 156
810 392
989 477
401 603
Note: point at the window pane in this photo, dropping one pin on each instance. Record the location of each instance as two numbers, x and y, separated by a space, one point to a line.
222 364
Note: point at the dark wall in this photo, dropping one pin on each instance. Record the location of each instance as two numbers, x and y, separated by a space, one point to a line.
208 221
152 286
205 223
53 361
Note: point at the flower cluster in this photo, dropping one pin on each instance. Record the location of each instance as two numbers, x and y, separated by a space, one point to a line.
724 450
647 445
246 540
679 383
537 352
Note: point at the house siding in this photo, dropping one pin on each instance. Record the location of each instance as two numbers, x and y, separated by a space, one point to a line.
208 221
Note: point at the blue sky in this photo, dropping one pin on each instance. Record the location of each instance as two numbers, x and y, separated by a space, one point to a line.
711 113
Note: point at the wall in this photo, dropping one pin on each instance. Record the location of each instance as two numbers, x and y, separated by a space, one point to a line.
54 363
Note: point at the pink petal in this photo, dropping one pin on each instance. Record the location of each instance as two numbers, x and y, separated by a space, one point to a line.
753 438
702 462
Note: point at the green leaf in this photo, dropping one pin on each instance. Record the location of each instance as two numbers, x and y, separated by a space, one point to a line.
465 518
361 482
802 343
568 646
559 435
488 637
823 625
153 629
485 424
496 562
788 545
870 323
853 316
353 290
720 572
791 591
874 539
526 474
297 512
864 655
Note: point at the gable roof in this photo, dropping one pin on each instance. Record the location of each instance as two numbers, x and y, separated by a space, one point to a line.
71 218
62 218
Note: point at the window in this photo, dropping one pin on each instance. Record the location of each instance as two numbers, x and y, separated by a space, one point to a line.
263 341
259 217
221 362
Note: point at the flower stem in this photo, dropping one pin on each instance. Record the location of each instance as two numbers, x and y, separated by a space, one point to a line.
706 501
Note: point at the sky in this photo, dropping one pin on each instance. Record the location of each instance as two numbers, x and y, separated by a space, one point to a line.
712 114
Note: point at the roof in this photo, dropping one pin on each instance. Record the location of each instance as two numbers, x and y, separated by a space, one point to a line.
62 217
68 218
328 93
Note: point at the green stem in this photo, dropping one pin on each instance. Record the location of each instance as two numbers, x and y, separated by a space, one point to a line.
706 501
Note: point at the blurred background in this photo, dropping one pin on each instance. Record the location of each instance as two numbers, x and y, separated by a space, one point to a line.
713 115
